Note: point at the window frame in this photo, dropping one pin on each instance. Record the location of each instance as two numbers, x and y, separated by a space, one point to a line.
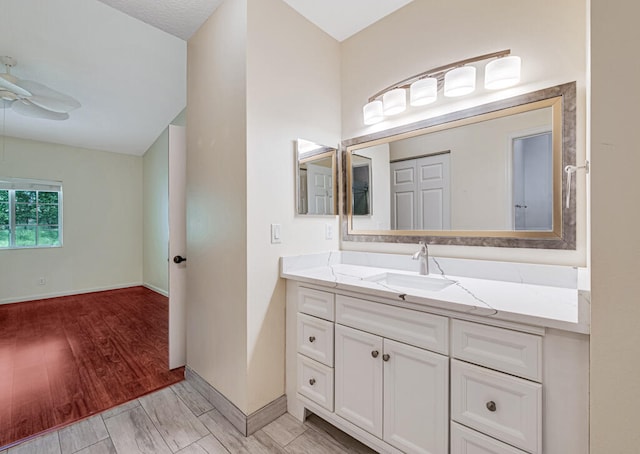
13 185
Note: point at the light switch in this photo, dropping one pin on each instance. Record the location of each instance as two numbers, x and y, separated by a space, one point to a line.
276 233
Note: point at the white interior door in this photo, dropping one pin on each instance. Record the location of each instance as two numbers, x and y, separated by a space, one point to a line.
403 195
421 193
434 189
320 189
177 245
533 182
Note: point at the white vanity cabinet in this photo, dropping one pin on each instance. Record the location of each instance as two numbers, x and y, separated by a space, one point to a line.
429 381
395 391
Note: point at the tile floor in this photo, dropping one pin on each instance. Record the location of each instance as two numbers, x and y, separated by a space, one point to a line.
178 419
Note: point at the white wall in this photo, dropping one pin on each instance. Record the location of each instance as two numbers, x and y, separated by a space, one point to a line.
615 217
102 216
293 91
550 36
217 202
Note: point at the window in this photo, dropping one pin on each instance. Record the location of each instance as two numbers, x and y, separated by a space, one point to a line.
30 213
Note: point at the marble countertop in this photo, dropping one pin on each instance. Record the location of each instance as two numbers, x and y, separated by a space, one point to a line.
548 296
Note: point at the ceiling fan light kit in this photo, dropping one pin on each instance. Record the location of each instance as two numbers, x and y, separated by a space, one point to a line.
32 99
455 79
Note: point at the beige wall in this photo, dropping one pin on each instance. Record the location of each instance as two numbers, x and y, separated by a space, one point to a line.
424 35
261 62
615 216
217 202
102 216
293 90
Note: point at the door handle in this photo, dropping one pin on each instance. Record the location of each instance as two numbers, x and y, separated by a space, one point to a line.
179 259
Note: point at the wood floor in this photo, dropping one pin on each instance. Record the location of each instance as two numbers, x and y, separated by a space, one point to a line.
63 359
179 420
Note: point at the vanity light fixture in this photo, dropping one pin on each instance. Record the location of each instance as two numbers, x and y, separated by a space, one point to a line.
394 101
423 91
456 79
460 81
502 73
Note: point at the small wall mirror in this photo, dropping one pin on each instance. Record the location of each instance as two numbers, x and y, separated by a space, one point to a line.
315 179
491 175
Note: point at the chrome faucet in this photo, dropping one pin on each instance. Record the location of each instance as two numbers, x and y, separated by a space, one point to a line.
423 256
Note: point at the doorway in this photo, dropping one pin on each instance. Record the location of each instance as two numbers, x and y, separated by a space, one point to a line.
532 182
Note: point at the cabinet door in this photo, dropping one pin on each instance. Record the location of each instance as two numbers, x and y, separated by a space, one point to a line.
416 399
358 378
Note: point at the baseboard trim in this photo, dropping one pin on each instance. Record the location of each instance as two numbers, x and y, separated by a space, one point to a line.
68 293
246 424
156 289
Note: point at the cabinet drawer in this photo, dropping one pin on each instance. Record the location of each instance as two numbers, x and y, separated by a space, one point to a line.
317 303
502 349
315 339
405 325
315 381
468 441
502 406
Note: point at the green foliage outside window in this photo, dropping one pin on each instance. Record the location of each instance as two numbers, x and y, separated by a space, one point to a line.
36 217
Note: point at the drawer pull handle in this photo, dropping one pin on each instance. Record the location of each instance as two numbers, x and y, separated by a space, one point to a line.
491 406
386 357
312 339
375 353
312 381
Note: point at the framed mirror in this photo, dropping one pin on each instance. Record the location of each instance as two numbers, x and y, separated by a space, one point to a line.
315 176
487 176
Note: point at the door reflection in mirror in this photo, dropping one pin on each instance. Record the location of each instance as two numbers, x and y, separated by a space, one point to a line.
361 185
533 182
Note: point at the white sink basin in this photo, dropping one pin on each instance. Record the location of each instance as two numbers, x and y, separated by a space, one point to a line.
429 283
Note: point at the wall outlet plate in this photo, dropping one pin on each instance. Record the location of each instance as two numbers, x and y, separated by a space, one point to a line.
328 232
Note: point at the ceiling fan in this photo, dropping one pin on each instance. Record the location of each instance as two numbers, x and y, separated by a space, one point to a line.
31 98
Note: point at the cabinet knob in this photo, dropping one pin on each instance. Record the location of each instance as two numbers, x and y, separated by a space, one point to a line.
312 381
386 357
312 339
375 353
491 406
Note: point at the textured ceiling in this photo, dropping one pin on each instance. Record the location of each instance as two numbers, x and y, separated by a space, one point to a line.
180 18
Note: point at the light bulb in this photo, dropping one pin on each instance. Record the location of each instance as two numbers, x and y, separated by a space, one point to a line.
502 73
423 91
460 81
373 113
394 101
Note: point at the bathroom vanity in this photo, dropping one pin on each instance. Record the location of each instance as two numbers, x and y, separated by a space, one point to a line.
478 357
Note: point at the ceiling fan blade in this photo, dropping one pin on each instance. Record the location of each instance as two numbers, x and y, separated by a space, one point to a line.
24 107
53 104
48 98
7 83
